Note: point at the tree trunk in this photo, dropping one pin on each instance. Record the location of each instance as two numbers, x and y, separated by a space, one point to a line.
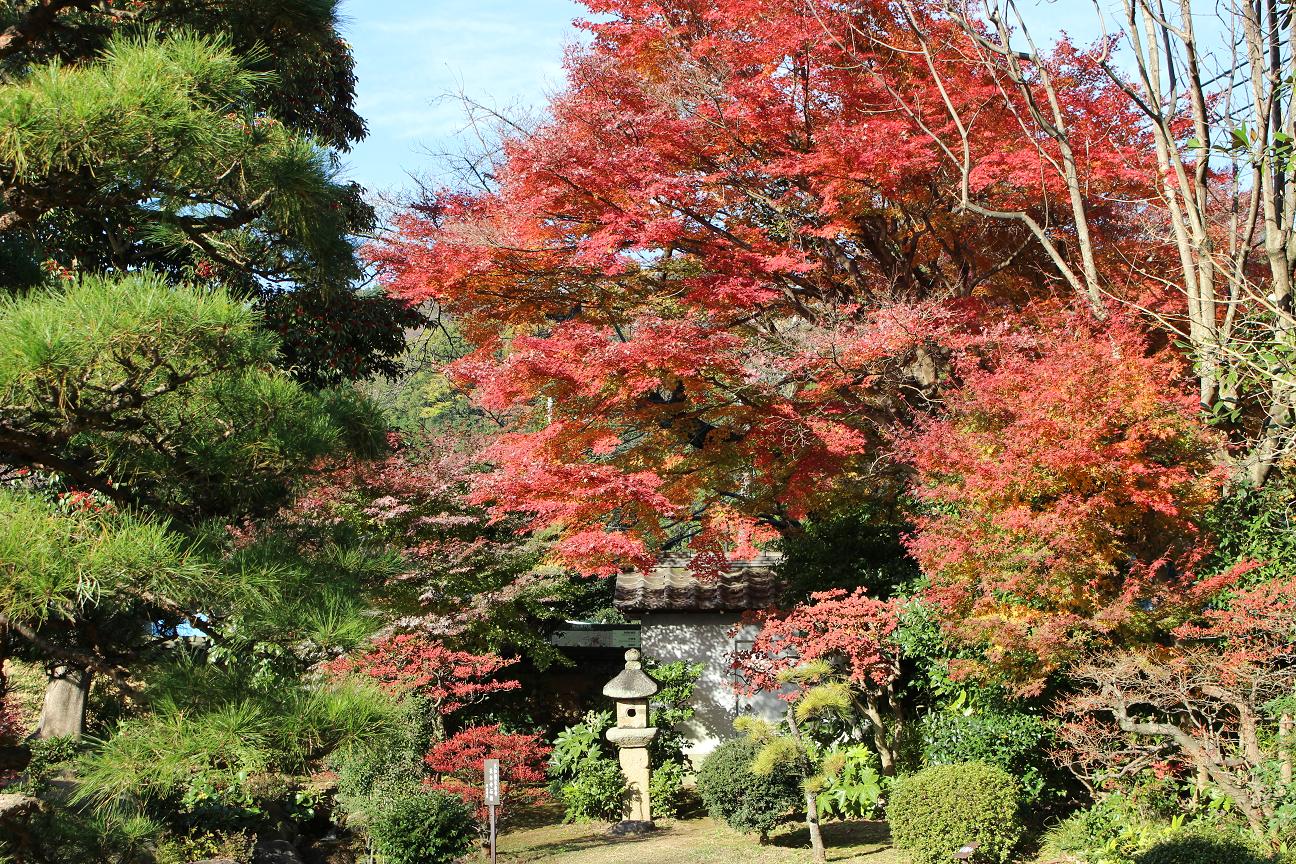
63 714
812 805
882 737
1286 726
812 822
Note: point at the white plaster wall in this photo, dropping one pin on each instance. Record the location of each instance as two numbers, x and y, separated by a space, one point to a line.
703 637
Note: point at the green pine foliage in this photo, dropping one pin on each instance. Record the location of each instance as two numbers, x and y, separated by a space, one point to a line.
180 324
161 395
185 755
56 560
161 133
200 140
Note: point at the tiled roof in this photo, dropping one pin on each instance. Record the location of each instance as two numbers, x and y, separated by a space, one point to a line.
672 587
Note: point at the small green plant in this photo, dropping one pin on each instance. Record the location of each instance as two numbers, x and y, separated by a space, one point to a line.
583 776
936 811
666 789
578 743
733 794
1205 843
852 785
596 792
49 755
1115 830
233 846
416 826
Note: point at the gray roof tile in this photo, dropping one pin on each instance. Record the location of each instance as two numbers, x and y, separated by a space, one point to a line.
671 586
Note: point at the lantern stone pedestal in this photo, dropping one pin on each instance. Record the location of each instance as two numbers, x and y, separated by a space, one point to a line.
631 689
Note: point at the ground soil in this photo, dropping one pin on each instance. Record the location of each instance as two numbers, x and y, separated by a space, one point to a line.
688 841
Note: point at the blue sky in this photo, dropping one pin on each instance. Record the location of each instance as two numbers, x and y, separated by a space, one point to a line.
410 54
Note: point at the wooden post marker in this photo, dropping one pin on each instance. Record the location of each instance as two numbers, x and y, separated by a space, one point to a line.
491 770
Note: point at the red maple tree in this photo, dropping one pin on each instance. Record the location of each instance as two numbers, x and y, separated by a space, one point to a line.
458 763
1206 702
727 262
411 663
852 631
1063 483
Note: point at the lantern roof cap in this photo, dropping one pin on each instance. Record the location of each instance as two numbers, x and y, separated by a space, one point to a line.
631 682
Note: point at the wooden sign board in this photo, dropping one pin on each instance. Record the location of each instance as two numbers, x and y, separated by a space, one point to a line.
596 636
492 782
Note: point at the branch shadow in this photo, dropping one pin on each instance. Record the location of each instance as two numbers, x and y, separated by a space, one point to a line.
849 835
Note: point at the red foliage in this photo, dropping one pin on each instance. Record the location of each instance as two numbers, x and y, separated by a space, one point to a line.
719 270
1254 627
451 680
12 728
1064 485
458 763
458 563
849 629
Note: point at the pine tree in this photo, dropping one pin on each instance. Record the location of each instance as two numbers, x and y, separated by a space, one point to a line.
201 140
131 412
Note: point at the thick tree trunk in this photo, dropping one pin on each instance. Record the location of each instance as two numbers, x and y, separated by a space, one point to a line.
63 714
882 736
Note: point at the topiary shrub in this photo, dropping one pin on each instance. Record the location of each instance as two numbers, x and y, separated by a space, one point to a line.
939 809
1204 844
414 826
734 795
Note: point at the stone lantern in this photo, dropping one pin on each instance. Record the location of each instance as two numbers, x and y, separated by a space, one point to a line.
631 689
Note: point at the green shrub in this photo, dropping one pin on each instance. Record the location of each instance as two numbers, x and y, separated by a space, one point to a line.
939 809
1011 740
1204 843
746 802
666 789
416 826
595 791
853 785
576 744
582 774
1115 830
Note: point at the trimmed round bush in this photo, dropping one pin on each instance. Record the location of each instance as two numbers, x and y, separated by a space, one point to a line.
417 827
936 811
1204 844
734 795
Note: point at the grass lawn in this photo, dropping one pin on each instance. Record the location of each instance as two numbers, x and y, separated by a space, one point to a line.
688 841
